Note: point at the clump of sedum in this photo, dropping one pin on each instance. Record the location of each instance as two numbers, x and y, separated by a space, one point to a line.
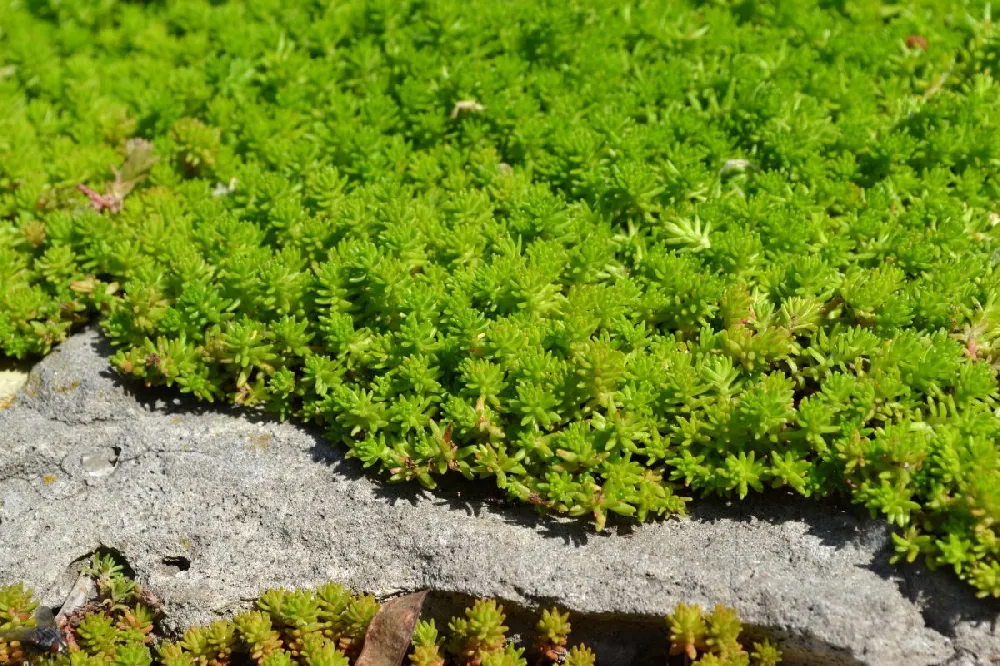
607 256
328 626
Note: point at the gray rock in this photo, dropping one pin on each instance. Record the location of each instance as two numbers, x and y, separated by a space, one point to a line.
210 507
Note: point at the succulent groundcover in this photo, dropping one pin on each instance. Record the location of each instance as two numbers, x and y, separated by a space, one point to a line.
608 256
114 622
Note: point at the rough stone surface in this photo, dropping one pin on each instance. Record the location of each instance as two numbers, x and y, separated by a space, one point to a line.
12 378
211 506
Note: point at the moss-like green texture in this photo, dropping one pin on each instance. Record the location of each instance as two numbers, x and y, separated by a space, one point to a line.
605 255
324 627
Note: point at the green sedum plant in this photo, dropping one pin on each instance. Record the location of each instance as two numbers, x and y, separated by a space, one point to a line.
17 609
327 626
115 629
713 639
480 636
607 256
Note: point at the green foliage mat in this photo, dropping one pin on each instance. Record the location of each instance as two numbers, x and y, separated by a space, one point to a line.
603 254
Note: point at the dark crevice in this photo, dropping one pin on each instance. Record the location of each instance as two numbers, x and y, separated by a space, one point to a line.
176 563
633 639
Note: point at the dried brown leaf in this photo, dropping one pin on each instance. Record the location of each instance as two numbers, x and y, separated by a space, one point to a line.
390 633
